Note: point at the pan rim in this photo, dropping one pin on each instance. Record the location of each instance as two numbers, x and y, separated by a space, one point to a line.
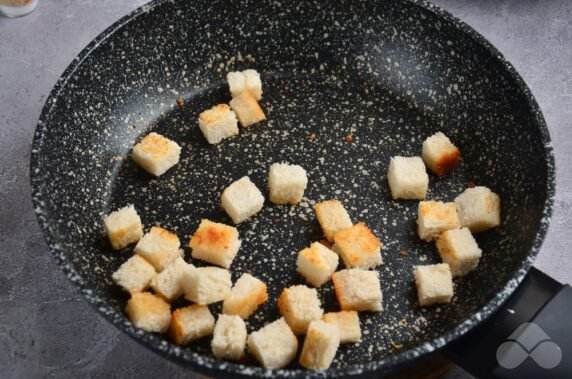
210 365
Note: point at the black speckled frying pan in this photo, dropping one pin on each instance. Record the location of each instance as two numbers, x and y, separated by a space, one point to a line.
388 73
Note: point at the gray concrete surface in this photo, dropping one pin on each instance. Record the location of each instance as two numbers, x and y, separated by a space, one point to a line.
46 329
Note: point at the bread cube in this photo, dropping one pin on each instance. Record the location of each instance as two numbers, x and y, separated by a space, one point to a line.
358 290
191 323
300 305
206 285
167 283
407 178
316 264
215 243
156 154
123 227
434 284
229 338
218 123
458 248
347 323
286 183
320 346
134 274
434 217
273 345
247 109
245 297
159 247
241 200
439 154
332 217
148 312
358 247
247 80
478 209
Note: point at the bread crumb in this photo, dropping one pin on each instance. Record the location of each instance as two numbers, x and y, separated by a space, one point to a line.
180 102
349 138
312 137
404 253
396 345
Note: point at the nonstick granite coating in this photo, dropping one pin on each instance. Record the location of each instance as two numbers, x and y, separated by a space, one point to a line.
388 74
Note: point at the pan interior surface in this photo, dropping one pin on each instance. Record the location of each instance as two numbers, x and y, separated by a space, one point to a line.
388 74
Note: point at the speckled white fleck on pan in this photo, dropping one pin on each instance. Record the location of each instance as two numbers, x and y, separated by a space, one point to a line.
388 73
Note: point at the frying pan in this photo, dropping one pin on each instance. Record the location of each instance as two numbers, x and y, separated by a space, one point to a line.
387 73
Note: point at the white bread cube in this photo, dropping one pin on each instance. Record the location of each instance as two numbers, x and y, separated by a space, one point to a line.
215 243
458 248
316 264
229 338
245 297
434 217
300 305
218 123
439 154
134 274
358 247
347 323
286 183
156 154
273 345
247 80
320 346
332 217
148 312
434 284
159 247
206 285
191 323
407 178
241 200
358 290
478 209
167 283
247 109
123 227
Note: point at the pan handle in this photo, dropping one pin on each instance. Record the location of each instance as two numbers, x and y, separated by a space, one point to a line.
530 336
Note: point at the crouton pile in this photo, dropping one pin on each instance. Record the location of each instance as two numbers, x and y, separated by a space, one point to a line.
450 224
157 274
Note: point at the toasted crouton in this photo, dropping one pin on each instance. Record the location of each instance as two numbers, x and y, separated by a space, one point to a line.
167 283
358 247
332 217
286 183
434 284
273 345
241 200
347 323
407 178
123 227
320 346
434 217
439 154
479 209
191 323
215 243
156 154
229 338
245 297
206 285
247 109
458 248
247 80
358 290
134 275
299 305
159 247
148 312
218 123
317 263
